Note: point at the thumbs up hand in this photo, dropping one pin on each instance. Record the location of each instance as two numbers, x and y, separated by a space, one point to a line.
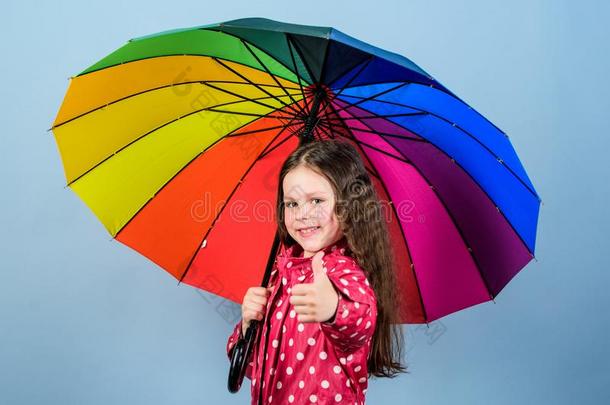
317 301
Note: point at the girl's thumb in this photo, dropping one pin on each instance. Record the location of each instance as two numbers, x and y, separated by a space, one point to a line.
316 263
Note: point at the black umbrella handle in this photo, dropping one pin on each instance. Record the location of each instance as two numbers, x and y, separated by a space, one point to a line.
239 357
244 346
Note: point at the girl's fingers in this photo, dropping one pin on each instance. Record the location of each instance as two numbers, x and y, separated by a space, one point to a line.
303 310
302 289
251 315
306 318
299 300
254 307
258 300
259 291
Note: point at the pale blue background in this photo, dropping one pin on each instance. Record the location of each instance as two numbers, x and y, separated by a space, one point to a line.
85 320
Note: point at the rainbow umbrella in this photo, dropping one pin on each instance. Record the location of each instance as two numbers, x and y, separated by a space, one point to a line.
175 141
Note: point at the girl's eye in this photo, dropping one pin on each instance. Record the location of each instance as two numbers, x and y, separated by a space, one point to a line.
317 199
288 204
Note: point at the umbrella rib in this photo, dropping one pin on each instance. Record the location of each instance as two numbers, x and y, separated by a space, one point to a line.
324 128
245 113
385 102
390 134
307 67
296 71
236 82
373 170
413 108
247 45
220 211
360 70
266 152
320 120
346 71
388 154
330 134
248 99
324 60
174 54
319 132
159 88
433 84
381 93
375 116
404 237
254 84
453 124
330 128
324 122
255 131
231 134
252 44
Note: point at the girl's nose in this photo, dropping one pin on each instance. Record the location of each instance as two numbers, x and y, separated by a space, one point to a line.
303 212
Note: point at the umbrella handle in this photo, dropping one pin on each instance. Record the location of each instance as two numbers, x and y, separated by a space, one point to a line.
239 357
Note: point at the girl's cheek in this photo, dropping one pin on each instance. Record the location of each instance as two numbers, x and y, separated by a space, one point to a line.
325 214
288 218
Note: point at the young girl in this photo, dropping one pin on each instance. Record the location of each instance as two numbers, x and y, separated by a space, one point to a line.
327 317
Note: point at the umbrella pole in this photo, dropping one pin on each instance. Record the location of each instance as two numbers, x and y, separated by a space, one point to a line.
312 117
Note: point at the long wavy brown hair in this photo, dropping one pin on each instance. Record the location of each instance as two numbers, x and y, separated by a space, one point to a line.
359 213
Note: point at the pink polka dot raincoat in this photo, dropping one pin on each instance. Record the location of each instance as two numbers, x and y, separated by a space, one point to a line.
318 362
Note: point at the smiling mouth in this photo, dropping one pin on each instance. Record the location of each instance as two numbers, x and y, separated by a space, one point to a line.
308 231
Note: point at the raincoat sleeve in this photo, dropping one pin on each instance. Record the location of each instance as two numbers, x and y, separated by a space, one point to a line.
233 338
355 319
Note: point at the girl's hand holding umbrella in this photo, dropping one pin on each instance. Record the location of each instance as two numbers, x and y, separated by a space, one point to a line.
253 306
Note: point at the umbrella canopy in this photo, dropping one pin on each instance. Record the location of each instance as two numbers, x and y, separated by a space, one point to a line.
175 142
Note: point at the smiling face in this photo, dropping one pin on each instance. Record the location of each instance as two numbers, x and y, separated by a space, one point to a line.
309 202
